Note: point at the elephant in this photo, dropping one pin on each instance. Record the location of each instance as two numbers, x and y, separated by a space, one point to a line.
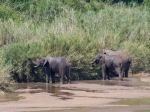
109 64
54 65
125 58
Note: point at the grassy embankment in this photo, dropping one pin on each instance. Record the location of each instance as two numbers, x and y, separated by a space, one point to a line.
54 29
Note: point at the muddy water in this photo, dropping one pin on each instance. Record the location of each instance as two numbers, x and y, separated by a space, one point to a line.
9 97
34 88
64 93
43 87
127 82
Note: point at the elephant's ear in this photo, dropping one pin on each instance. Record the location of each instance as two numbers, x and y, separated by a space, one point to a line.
45 61
102 60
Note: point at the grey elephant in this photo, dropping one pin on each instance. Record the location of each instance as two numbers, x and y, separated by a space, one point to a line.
54 65
109 64
125 58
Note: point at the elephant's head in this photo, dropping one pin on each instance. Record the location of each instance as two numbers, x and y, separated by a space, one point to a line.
40 63
98 59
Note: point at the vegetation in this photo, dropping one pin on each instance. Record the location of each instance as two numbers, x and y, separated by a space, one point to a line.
75 29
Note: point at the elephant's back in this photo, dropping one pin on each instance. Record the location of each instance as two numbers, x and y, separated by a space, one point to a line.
117 62
62 61
123 54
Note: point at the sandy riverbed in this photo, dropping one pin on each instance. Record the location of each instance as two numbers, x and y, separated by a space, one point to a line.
80 95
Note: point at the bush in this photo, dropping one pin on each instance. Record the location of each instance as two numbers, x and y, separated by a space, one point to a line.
7 12
54 28
16 55
84 6
6 84
146 3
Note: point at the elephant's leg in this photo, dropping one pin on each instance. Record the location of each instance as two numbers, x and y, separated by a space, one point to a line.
61 78
104 71
47 78
68 75
53 77
119 71
61 73
108 74
126 72
47 74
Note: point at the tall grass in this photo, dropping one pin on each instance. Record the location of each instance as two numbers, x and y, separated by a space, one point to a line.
75 35
6 84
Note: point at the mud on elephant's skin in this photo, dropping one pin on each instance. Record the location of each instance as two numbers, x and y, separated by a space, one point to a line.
124 56
54 65
109 64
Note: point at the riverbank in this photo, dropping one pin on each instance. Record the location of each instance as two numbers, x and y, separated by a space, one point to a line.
81 96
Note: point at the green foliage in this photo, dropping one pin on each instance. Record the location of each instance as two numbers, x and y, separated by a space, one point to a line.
6 84
16 55
7 12
77 30
39 10
7 87
14 1
124 1
16 58
147 3
83 6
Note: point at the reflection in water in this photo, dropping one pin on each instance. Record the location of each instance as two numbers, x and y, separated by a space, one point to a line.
51 89
117 83
38 87
55 89
10 97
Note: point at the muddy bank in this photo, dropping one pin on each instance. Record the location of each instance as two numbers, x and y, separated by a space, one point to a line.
81 96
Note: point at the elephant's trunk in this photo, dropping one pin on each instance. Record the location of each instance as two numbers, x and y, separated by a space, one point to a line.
33 62
92 63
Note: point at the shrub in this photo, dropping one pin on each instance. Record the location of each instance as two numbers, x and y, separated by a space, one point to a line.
73 34
7 12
